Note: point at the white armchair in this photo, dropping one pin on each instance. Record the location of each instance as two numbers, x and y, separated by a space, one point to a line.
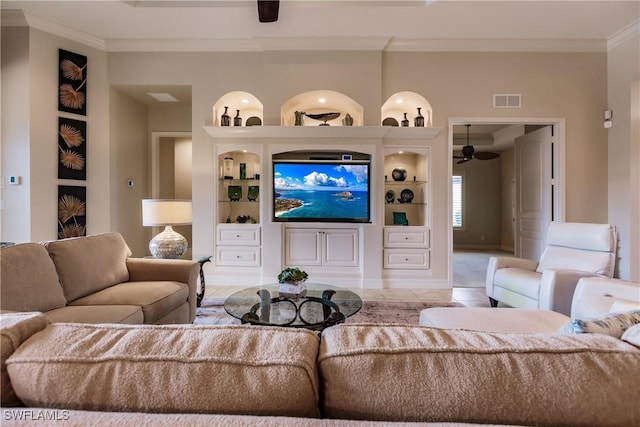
595 296
573 251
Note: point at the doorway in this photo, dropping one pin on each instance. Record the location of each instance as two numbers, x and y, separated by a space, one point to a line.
503 204
171 172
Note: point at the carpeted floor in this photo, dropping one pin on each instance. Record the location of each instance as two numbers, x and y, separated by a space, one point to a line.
212 312
470 267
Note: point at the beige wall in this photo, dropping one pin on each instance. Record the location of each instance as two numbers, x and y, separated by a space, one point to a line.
40 170
623 147
130 154
16 144
482 205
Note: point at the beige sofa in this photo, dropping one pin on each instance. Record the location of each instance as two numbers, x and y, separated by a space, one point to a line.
93 280
354 374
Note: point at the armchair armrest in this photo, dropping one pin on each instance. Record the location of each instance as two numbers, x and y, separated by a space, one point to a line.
557 288
177 270
496 263
597 296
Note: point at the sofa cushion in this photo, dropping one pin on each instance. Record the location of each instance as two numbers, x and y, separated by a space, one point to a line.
130 314
155 298
29 279
413 373
238 369
15 328
88 264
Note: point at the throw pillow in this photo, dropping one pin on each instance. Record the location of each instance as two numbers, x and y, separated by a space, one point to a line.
632 335
614 324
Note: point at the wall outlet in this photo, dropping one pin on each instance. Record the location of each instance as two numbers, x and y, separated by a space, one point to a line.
131 183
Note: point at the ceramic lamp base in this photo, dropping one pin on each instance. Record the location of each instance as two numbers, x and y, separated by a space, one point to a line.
168 244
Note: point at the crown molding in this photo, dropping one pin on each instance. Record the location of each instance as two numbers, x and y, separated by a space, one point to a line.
495 45
630 31
18 18
181 45
323 43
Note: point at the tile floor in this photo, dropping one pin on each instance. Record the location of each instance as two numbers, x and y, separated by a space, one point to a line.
471 297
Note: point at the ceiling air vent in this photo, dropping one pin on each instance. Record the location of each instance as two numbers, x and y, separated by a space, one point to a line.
506 100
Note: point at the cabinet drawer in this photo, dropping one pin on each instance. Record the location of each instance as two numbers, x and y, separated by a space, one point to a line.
247 235
403 237
406 258
247 256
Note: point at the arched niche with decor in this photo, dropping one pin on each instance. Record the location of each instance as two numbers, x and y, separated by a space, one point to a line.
248 105
321 101
399 103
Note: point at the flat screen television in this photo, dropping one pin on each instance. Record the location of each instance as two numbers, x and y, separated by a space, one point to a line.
321 191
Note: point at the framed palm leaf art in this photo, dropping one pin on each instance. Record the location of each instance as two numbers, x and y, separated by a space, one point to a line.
72 149
72 82
72 211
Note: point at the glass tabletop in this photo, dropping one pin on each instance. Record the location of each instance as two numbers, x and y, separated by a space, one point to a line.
322 306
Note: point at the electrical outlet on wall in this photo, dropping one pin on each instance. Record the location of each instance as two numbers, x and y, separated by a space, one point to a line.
131 183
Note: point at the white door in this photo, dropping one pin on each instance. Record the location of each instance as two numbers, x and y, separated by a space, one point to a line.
534 191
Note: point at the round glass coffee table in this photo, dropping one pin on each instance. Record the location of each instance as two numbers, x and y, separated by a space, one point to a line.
321 307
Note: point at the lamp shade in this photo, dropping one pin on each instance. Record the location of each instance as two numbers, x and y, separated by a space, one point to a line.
157 212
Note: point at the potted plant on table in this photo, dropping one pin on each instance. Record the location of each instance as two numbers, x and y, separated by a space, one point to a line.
292 282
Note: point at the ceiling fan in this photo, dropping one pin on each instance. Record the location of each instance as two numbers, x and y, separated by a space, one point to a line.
469 153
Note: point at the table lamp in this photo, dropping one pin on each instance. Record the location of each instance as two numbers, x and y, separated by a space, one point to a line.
167 213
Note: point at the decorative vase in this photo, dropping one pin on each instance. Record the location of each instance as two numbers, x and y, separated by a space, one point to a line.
237 120
299 118
243 171
224 119
348 120
253 192
419 120
399 174
227 168
235 193
405 121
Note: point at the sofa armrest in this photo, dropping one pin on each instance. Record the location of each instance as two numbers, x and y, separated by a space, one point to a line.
177 270
596 296
496 263
557 288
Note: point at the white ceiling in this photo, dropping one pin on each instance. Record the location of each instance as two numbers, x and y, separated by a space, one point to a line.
375 24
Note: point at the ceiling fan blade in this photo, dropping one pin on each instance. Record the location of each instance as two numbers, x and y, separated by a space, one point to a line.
485 155
464 160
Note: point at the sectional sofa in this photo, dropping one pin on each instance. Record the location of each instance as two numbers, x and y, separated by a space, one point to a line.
353 374
93 279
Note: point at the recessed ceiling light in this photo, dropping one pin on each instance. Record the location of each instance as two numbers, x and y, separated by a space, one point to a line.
162 96
322 100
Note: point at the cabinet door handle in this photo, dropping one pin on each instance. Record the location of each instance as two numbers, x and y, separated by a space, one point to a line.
237 236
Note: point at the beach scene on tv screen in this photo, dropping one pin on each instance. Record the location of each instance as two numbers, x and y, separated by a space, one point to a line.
321 191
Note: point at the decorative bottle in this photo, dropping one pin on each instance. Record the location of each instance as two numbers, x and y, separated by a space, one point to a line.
237 120
405 121
224 119
348 120
419 120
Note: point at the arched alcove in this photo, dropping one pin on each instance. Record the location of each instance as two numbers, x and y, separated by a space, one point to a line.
407 102
247 104
321 101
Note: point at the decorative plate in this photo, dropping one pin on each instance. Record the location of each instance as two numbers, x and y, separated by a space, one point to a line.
399 174
406 196
390 196
390 121
253 121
